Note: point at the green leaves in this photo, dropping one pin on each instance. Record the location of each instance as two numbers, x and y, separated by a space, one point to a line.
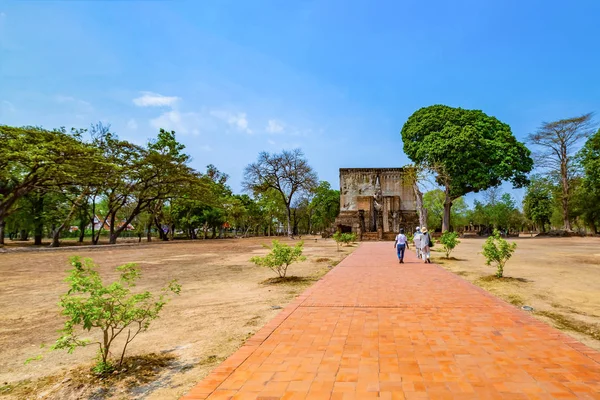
33 158
497 252
280 257
449 240
468 150
345 238
110 309
326 205
538 203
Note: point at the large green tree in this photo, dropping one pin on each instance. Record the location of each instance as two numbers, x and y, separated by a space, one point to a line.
288 173
433 201
33 158
326 205
538 203
556 143
142 177
590 161
467 150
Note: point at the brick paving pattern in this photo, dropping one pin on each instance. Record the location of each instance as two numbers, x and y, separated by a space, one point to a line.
373 328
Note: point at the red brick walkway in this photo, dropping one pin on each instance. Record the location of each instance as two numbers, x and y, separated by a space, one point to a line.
373 328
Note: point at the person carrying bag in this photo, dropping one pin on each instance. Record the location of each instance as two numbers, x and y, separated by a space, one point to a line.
426 244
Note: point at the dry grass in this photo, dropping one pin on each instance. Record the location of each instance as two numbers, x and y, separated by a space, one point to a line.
81 382
221 305
564 322
546 274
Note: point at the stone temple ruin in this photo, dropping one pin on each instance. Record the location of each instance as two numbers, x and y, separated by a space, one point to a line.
376 202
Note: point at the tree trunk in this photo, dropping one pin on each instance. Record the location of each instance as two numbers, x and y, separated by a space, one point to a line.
55 237
56 231
161 233
149 232
565 207
447 208
565 189
112 238
420 209
38 234
38 218
289 222
94 240
2 227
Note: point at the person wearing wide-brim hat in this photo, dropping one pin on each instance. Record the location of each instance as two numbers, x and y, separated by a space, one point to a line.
425 245
417 242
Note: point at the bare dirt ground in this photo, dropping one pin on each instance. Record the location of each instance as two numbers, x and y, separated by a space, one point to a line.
224 300
558 277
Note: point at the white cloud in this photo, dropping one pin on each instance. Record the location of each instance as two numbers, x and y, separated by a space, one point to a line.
7 106
132 124
149 99
179 122
274 126
81 105
238 120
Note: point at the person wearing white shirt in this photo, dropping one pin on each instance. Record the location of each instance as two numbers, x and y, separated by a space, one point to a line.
425 245
417 241
401 244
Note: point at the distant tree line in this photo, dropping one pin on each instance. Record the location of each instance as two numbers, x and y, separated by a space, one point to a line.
92 185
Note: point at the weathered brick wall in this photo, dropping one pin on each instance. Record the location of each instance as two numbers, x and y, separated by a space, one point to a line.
357 187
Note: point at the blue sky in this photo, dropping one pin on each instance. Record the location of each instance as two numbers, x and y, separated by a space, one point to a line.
335 78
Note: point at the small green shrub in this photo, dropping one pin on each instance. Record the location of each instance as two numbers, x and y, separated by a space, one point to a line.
449 240
348 238
498 251
112 309
280 257
338 239
345 238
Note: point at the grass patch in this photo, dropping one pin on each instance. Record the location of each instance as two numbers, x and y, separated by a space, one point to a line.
515 300
137 371
461 273
571 310
571 324
211 360
322 259
505 279
253 321
288 280
297 280
454 259
335 262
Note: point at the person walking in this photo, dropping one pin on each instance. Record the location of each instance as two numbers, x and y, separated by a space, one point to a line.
425 245
401 244
417 242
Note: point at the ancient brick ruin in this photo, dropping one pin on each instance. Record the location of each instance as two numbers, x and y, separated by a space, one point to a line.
376 202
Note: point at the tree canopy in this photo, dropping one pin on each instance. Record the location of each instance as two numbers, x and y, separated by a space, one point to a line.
287 172
557 143
467 150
